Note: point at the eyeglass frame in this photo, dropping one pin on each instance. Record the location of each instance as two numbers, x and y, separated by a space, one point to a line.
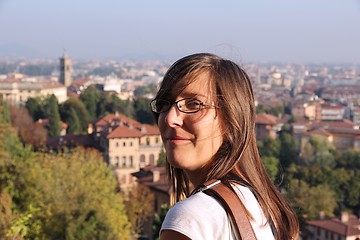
171 103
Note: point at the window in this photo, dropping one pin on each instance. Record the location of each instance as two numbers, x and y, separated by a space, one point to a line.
142 158
131 161
117 144
131 143
116 161
124 144
157 140
152 159
148 141
123 161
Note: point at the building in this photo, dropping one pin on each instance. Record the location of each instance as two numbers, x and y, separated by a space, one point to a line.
156 180
65 70
356 117
331 112
127 145
347 227
18 91
342 134
266 125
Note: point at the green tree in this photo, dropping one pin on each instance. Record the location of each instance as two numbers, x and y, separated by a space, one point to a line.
143 113
90 97
73 122
269 147
349 159
74 197
271 165
310 202
158 220
319 152
139 207
35 107
288 153
74 111
162 159
53 115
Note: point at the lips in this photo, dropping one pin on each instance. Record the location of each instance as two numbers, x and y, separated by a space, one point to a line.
178 139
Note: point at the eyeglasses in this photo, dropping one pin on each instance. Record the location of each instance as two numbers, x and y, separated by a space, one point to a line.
185 105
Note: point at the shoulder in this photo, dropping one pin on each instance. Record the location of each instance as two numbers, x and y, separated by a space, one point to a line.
259 223
198 217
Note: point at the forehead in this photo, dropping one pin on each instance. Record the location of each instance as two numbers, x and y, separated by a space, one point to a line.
199 85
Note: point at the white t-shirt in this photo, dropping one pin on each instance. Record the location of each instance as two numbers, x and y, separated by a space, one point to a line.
201 217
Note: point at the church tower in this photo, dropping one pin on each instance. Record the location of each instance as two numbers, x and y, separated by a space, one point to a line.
65 70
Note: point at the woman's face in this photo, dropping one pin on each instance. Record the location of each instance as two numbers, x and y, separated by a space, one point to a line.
191 139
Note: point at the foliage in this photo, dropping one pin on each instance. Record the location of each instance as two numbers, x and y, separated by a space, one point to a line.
74 112
141 91
161 162
288 153
311 201
269 147
158 220
271 165
70 195
275 110
318 152
139 207
143 112
28 131
52 110
90 97
35 107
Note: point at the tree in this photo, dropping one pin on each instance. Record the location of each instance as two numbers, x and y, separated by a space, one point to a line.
310 202
28 131
139 207
319 152
143 113
349 159
269 147
35 107
158 220
271 165
52 109
90 97
288 153
73 111
72 196
73 122
162 159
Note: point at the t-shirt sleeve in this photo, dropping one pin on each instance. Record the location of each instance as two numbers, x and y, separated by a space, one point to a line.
198 217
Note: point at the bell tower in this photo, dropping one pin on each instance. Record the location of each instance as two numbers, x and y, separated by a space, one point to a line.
65 70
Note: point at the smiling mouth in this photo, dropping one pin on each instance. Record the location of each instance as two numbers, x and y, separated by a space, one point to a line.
178 140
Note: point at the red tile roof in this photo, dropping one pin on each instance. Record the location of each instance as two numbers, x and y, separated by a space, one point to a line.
124 132
267 119
350 228
150 129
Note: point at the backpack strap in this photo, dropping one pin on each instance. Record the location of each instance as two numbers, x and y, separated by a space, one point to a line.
233 206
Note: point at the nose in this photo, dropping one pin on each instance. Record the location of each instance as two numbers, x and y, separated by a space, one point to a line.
173 117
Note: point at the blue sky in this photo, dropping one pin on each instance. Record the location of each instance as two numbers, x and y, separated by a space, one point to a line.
299 31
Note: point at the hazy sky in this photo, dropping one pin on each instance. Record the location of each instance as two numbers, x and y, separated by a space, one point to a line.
249 30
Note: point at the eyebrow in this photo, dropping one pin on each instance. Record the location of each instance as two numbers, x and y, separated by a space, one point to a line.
192 95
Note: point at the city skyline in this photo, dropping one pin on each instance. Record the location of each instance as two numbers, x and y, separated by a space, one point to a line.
262 31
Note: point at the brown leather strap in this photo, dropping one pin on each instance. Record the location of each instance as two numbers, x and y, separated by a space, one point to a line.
234 207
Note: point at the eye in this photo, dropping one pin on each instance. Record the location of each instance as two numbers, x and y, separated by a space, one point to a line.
192 104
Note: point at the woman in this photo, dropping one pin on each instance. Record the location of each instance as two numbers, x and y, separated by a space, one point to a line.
206 115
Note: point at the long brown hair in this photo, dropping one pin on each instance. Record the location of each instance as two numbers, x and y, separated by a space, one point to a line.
238 155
